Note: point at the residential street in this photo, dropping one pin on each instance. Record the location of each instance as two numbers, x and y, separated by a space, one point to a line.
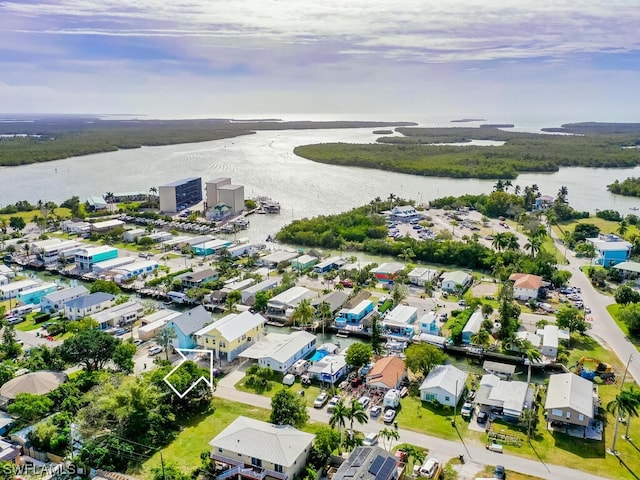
476 456
603 328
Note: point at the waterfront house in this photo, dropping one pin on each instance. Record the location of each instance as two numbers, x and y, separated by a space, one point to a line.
630 270
504 371
506 398
400 320
249 293
386 374
335 300
610 250
328 264
451 281
429 324
6 271
405 213
255 450
418 276
571 402
96 203
370 463
550 341
119 315
281 306
75 228
274 259
85 258
525 286
34 294
187 324
198 279
105 266
4 280
88 305
472 326
151 324
387 272
303 262
210 247
445 384
243 250
328 369
279 351
133 270
352 318
12 289
231 334
543 202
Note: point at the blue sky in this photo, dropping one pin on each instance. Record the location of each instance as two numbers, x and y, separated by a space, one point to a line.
504 59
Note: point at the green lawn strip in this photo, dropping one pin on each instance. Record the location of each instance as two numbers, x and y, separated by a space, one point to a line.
423 417
487 472
28 325
613 310
28 216
310 392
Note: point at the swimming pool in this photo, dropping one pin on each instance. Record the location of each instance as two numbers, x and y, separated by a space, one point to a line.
318 355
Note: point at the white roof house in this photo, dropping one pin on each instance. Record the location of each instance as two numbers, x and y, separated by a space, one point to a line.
6 271
107 265
400 317
444 384
118 315
234 325
329 369
550 341
251 291
106 225
280 351
452 280
513 397
153 323
570 399
418 276
273 259
56 300
288 299
10 290
281 450
533 338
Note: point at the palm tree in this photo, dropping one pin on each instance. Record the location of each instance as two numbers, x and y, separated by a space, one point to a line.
391 198
530 418
324 313
339 417
303 313
507 185
552 219
516 189
165 338
622 227
511 241
633 391
389 435
412 453
407 254
625 403
532 354
499 186
357 412
499 241
109 196
533 245
481 337
153 191
562 194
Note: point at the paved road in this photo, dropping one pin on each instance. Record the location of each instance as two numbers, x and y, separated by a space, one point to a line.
603 328
476 456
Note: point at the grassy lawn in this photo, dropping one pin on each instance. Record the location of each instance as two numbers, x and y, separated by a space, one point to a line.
425 418
28 216
194 438
28 325
613 310
511 475
310 392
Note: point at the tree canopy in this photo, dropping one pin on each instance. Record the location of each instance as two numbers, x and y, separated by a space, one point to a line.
359 354
287 408
90 348
420 358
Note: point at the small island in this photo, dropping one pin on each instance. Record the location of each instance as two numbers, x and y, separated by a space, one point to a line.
467 120
497 125
383 132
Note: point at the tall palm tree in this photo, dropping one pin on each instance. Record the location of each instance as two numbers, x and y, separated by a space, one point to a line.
511 241
388 435
625 403
356 412
517 189
507 185
482 338
391 199
532 354
499 186
635 393
303 313
623 227
339 417
552 219
533 245
499 241
324 313
407 254
165 338
529 418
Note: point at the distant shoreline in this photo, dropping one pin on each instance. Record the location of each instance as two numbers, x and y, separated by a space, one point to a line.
467 120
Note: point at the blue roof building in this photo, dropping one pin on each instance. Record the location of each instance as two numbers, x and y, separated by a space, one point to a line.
187 324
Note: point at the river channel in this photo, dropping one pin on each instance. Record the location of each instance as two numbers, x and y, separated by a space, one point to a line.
265 164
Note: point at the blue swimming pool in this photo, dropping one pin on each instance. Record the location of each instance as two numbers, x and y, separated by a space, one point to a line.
318 355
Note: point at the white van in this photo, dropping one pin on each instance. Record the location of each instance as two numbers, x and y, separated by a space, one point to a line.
429 468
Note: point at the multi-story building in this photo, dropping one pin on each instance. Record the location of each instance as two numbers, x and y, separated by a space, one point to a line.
231 334
212 186
233 197
87 257
181 194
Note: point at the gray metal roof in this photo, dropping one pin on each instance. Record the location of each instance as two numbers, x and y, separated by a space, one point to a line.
192 320
568 390
278 444
628 266
90 300
445 377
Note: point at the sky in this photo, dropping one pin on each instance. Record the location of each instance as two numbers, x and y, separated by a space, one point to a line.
503 59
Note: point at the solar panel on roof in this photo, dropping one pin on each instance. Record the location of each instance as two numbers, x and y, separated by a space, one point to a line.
360 457
376 465
387 468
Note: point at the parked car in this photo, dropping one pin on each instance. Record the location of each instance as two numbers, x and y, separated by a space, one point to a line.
332 403
375 411
500 472
389 415
155 350
467 410
370 440
138 341
482 417
364 401
321 400
346 283
430 468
